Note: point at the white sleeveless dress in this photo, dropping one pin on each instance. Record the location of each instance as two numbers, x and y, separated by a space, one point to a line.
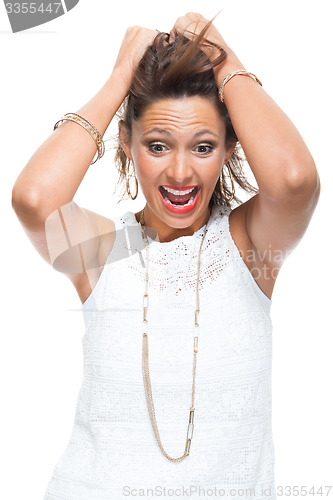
113 453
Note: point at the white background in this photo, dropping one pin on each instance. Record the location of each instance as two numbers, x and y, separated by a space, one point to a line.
56 68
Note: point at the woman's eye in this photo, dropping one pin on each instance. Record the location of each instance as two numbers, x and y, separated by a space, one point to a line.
204 149
156 148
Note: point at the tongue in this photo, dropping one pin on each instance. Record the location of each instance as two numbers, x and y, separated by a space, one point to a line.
178 198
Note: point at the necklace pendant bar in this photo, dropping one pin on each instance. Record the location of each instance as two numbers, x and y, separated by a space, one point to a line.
145 308
190 428
195 344
196 318
191 418
187 446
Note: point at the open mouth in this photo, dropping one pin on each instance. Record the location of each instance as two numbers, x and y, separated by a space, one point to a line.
179 198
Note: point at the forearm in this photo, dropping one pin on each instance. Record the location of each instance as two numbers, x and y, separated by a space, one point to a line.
274 149
54 172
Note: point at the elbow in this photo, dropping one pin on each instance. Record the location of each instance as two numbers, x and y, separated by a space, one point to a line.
297 181
25 200
304 191
302 178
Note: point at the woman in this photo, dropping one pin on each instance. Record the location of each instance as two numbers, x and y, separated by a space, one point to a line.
187 272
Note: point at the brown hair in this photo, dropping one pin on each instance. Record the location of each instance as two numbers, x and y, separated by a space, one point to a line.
179 69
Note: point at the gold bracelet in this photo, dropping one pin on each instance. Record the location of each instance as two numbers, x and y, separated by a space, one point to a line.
74 117
231 75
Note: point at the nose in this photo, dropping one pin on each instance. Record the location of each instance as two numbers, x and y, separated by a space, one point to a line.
180 170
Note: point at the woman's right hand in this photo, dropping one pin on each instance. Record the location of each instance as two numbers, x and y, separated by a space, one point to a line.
134 45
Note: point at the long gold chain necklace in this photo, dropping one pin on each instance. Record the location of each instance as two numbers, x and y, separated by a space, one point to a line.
145 363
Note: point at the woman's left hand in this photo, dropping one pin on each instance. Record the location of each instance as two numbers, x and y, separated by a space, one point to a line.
190 26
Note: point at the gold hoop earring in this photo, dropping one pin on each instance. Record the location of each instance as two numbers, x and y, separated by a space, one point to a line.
136 187
232 184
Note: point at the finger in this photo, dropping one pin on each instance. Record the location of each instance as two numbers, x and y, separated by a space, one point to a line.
177 28
172 36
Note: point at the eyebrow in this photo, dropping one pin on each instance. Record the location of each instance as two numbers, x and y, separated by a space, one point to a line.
164 131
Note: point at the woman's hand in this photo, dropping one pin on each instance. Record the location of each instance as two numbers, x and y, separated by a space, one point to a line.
190 26
134 45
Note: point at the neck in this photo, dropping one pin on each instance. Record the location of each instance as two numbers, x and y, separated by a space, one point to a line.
168 233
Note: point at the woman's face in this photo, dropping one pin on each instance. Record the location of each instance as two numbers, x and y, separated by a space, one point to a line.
178 151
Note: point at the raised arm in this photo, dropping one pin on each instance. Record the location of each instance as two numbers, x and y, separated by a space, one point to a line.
54 172
277 217
42 196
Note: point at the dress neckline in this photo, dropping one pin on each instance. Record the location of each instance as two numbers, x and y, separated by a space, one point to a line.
130 216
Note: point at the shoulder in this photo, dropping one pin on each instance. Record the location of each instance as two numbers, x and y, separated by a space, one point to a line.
94 249
238 231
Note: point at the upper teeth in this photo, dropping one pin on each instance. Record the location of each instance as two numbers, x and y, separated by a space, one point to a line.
174 191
